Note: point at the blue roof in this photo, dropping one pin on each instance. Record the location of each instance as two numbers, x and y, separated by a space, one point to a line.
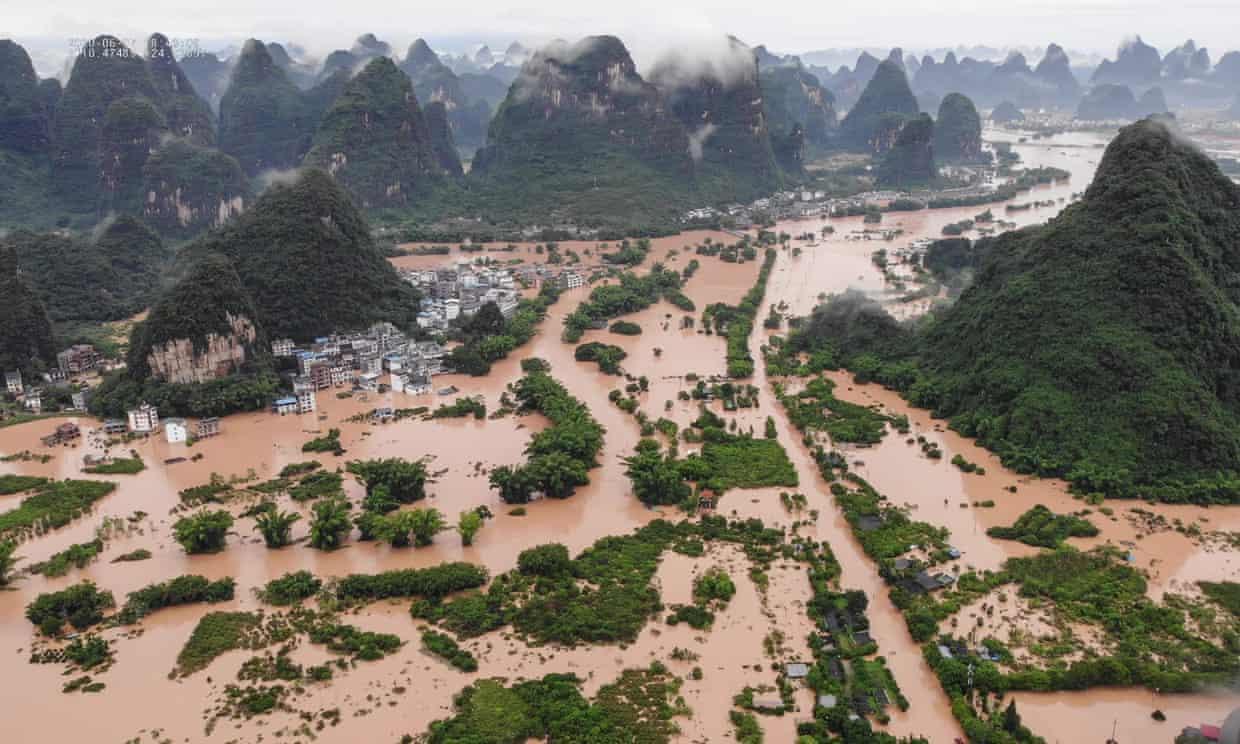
286 401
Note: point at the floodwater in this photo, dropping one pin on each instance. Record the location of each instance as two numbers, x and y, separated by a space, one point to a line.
380 701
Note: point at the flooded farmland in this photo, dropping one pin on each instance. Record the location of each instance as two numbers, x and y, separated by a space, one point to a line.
140 701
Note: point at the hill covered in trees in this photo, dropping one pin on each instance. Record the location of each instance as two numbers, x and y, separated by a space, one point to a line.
957 130
375 139
306 257
25 332
1103 347
109 277
885 105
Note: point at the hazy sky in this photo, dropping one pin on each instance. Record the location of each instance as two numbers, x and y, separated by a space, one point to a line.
783 25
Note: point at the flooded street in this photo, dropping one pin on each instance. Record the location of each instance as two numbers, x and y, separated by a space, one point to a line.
138 698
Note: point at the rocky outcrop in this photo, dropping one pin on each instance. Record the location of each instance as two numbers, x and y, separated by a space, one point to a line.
184 361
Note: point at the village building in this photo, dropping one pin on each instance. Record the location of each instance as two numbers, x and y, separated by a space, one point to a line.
66 432
114 426
13 382
305 391
176 430
33 400
208 427
144 419
570 279
78 359
282 347
285 405
80 399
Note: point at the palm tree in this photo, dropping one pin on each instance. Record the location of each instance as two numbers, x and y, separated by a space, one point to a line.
426 524
468 525
203 532
8 560
330 523
276 527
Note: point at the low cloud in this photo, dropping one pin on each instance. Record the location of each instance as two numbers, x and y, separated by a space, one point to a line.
698 138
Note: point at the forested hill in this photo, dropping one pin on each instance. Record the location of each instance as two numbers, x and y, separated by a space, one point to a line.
306 257
1103 346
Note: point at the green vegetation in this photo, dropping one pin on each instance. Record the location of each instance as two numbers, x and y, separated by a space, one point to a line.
329 523
468 524
607 356
291 588
309 281
327 443
203 532
462 407
637 707
625 328
604 595
118 466
53 504
1029 393
141 554
817 408
216 634
446 648
413 526
81 605
387 160
910 161
488 337
276 526
435 582
317 485
559 457
403 481
726 461
187 589
1225 593
79 555
264 120
25 331
1041 527
885 105
8 561
957 130
10 483
632 294
737 321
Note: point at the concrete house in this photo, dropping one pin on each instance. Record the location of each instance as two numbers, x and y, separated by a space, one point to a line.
144 419
176 430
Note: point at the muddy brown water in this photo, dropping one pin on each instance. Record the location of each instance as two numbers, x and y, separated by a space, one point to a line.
139 698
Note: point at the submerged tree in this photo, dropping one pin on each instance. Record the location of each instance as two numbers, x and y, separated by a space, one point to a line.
204 532
330 523
276 527
468 524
